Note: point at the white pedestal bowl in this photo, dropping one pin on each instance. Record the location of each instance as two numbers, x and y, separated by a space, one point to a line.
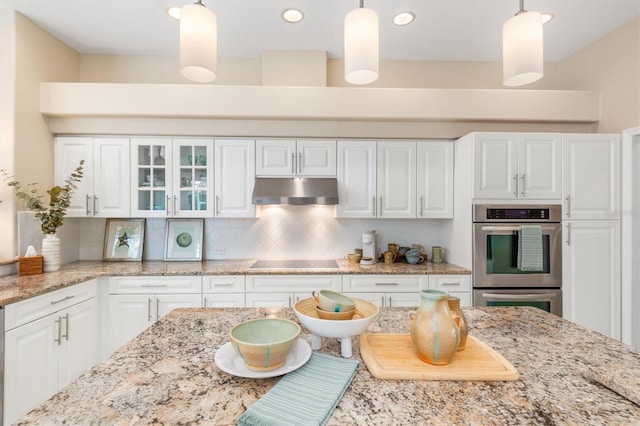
341 329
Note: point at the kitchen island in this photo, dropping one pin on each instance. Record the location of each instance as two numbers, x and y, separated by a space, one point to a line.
167 375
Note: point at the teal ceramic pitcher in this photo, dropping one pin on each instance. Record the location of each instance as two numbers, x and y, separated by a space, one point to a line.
434 332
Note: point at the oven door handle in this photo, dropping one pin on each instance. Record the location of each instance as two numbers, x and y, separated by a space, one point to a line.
502 228
547 297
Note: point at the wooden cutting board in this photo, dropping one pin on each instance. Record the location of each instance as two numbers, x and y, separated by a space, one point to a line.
392 357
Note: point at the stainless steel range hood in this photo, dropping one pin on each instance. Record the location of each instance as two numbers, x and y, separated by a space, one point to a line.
296 191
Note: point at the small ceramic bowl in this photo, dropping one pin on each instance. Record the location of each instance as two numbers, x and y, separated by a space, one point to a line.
403 250
332 301
264 343
341 316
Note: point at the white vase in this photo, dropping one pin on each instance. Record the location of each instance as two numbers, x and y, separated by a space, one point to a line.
50 253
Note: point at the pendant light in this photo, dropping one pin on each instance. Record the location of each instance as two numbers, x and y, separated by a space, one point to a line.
522 58
198 43
361 45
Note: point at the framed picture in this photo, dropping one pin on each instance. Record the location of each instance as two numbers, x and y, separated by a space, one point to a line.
184 239
123 240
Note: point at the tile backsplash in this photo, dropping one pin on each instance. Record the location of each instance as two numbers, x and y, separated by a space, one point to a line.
281 232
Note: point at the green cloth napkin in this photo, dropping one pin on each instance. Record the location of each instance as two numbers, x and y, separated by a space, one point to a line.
306 396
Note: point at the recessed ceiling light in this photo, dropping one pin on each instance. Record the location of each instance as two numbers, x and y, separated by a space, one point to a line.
547 17
292 15
404 18
173 11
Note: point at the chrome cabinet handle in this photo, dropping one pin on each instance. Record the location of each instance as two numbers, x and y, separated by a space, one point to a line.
55 302
153 285
501 228
299 162
217 205
87 204
289 301
522 190
543 297
387 283
568 234
66 318
157 308
204 302
381 206
168 201
382 301
175 200
421 209
293 163
95 205
450 284
59 339
515 179
391 301
567 213
374 207
149 309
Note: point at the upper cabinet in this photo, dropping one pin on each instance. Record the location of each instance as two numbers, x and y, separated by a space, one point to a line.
591 181
287 157
234 177
395 179
435 179
104 189
517 166
172 177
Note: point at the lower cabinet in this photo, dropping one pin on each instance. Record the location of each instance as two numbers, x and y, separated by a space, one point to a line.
455 285
286 290
135 303
49 341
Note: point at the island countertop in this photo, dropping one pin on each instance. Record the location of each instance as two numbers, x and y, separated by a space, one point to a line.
15 288
167 375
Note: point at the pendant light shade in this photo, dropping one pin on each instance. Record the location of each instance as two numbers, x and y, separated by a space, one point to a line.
522 58
361 46
198 43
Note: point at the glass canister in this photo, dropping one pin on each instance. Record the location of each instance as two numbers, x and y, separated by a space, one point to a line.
434 331
458 316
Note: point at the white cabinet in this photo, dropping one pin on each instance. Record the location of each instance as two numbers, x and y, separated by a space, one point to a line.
286 290
591 275
224 291
455 285
517 166
104 189
435 179
49 341
386 290
591 182
135 303
234 177
172 177
290 157
396 179
356 179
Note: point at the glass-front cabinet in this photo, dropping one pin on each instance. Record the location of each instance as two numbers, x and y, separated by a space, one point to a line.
172 177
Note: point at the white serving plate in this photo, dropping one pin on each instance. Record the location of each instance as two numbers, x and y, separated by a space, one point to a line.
228 360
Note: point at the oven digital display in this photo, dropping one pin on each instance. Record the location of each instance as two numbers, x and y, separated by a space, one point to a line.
517 213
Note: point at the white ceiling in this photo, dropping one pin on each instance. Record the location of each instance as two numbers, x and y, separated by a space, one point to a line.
443 30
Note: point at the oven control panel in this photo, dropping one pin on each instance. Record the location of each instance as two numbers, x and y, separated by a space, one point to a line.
518 214
514 213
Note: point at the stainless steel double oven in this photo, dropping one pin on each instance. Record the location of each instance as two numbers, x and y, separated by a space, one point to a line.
497 278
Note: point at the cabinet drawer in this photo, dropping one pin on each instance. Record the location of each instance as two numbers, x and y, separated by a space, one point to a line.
386 283
223 284
223 300
155 285
450 282
25 311
293 283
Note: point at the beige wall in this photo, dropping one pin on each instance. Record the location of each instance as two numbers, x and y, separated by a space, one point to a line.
25 134
611 65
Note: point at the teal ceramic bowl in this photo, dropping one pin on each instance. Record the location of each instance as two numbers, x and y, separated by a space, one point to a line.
264 343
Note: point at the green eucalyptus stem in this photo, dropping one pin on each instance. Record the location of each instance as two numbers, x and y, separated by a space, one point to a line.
50 214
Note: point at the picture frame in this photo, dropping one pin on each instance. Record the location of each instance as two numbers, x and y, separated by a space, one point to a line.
183 241
123 240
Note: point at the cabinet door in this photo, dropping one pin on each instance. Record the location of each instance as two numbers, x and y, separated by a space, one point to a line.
591 275
79 349
356 179
234 178
69 151
111 177
166 303
396 180
316 158
30 369
192 171
275 157
495 165
540 166
435 179
151 177
129 315
591 180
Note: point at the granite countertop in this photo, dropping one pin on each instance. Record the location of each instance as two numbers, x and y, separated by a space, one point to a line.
167 375
15 288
